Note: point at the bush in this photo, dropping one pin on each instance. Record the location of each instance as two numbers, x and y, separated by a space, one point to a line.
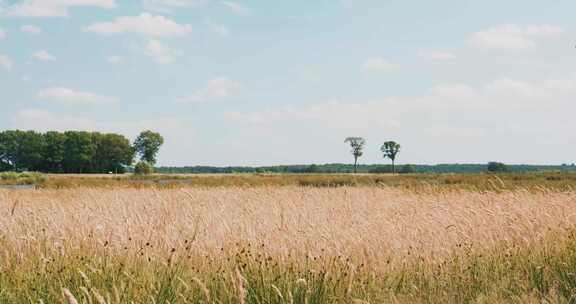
25 178
143 168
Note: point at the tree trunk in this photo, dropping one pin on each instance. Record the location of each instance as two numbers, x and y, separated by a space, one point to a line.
355 163
393 168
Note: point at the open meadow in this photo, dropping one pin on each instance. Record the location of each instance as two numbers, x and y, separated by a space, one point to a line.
483 239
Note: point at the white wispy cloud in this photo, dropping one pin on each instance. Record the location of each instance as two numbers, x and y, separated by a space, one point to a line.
437 55
216 89
144 24
237 8
5 62
73 96
115 59
219 29
167 6
43 55
31 29
3 34
503 96
513 37
50 8
160 52
379 64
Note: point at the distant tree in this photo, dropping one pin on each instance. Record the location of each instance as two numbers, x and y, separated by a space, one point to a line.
113 153
390 149
406 169
313 169
143 168
54 152
381 169
79 152
68 152
30 147
9 149
147 145
357 144
497 167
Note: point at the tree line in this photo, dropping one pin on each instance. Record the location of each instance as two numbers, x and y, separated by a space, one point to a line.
75 151
337 168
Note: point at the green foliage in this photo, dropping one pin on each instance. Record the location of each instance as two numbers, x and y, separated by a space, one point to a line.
407 169
543 274
390 149
147 145
497 167
24 178
68 152
143 168
112 153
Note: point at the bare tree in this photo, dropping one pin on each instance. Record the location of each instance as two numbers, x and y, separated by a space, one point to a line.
357 144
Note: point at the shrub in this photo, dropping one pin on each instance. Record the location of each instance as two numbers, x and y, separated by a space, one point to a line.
143 168
25 178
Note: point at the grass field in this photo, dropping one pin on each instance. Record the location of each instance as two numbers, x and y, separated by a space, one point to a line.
291 239
561 181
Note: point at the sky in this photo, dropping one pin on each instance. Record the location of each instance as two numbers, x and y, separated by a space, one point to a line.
260 82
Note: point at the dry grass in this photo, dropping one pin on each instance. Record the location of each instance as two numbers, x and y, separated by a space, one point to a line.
361 243
564 181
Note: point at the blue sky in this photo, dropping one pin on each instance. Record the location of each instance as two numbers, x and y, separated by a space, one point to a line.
284 82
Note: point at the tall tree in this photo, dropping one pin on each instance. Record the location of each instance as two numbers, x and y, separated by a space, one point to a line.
79 152
30 146
147 145
69 152
113 153
54 152
9 149
390 149
357 144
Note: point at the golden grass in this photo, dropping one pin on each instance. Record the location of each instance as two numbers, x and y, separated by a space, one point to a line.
563 181
226 232
373 222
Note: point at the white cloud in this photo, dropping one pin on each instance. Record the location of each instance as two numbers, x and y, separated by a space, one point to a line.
237 8
159 52
219 29
72 96
437 55
43 55
50 8
144 24
5 62
31 29
216 89
513 37
166 6
43 120
506 97
379 64
115 59
2 34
